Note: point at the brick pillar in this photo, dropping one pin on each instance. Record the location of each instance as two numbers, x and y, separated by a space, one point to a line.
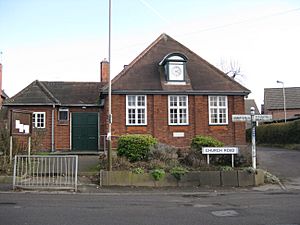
104 71
0 80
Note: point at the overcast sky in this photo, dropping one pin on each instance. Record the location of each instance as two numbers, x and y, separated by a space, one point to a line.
65 40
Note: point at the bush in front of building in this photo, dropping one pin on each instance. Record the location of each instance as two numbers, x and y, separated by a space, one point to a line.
199 141
195 158
135 147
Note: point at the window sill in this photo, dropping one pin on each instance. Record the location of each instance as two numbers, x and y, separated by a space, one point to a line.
136 125
63 122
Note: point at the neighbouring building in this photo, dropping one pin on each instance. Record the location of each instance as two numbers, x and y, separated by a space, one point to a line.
249 103
274 102
3 95
167 91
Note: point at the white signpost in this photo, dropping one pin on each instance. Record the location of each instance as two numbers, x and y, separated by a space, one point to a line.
253 118
220 151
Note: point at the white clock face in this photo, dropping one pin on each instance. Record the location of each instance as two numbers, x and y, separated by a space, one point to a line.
176 71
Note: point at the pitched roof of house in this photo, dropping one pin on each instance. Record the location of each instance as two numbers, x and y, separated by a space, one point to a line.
273 98
143 74
4 95
58 93
250 103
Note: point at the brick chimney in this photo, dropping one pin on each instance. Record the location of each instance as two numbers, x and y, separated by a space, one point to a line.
0 80
104 71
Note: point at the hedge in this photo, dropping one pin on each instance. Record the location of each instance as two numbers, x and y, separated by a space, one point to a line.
277 133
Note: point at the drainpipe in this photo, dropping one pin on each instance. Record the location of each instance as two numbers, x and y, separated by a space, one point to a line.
52 129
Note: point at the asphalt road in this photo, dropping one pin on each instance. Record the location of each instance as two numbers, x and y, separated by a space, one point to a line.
207 208
283 163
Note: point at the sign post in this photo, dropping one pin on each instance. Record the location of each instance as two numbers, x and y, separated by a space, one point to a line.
220 151
253 127
253 118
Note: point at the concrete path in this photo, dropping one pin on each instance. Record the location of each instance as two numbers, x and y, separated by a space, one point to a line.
86 163
283 163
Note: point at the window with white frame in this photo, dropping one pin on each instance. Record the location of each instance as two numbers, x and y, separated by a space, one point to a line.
178 110
39 119
218 110
136 110
63 114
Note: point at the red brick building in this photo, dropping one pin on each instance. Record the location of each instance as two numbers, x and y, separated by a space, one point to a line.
168 91
274 103
65 114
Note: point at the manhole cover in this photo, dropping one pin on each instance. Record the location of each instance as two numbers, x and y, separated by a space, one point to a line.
224 213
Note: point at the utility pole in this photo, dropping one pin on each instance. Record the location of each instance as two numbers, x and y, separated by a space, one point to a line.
109 155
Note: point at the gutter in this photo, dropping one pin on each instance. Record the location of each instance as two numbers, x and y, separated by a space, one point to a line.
52 129
190 92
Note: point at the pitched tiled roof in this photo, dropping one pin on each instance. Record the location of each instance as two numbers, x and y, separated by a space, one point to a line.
273 98
4 95
143 73
60 93
250 103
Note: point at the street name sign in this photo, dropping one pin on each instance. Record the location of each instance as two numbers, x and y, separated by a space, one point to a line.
244 118
221 151
253 119
241 118
262 117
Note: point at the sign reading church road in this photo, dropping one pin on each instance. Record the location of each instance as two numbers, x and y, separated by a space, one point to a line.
220 150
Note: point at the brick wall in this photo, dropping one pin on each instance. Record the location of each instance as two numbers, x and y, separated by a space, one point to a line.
279 113
42 138
157 121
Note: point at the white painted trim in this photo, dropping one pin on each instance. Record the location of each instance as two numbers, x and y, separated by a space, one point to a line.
45 120
178 107
136 107
209 113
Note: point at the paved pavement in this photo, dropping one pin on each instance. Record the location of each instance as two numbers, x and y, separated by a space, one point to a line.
283 163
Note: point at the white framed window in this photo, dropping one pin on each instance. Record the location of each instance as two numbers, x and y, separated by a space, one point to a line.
218 110
39 119
178 110
63 114
136 110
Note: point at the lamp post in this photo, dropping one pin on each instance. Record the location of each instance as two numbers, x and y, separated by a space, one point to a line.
284 103
109 152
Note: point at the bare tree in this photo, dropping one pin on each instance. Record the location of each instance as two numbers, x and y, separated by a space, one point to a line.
232 68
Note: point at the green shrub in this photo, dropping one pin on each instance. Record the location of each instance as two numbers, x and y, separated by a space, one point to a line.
163 152
205 141
138 170
158 174
193 159
178 172
135 147
277 133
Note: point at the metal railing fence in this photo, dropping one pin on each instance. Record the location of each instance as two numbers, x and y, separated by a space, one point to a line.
45 172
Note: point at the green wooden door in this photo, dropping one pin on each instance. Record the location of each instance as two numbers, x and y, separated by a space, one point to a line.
85 131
